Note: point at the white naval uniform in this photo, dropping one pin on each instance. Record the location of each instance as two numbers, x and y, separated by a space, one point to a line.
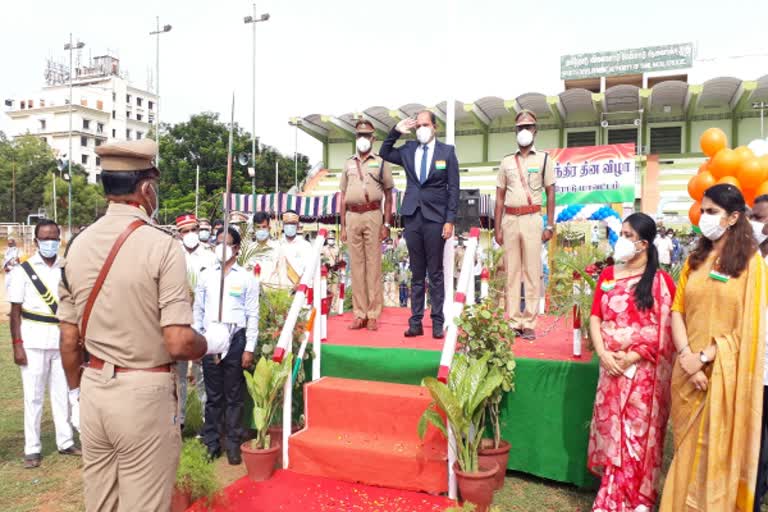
41 344
295 253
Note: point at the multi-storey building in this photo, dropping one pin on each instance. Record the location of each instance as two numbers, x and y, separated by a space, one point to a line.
105 107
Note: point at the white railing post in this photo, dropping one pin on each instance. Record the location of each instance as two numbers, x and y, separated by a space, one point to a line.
287 413
316 331
576 317
449 347
342 286
325 304
485 277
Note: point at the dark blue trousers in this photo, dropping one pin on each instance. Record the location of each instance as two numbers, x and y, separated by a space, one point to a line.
425 250
225 390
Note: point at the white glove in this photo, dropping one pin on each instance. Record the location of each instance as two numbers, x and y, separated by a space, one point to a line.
217 335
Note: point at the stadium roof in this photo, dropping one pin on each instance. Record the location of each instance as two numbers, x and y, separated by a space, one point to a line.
671 100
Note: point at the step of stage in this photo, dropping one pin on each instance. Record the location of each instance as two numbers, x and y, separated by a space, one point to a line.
364 431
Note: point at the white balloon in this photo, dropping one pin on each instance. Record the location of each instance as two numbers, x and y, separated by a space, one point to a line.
759 147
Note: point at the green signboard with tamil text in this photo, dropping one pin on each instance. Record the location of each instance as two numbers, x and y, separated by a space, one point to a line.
626 62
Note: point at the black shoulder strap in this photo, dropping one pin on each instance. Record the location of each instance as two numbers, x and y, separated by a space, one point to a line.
544 170
45 294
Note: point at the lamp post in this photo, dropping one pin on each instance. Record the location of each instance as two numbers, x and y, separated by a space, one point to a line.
70 47
253 20
157 32
296 124
761 106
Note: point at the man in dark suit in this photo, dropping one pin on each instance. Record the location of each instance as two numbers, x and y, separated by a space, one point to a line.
429 210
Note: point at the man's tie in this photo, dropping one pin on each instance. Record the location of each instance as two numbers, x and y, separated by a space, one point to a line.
423 174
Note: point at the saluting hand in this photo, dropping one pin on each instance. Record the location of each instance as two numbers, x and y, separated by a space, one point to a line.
406 125
19 355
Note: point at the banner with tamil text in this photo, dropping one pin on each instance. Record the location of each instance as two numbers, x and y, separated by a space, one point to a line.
595 174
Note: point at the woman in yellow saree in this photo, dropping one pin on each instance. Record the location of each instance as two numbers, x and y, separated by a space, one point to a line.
716 391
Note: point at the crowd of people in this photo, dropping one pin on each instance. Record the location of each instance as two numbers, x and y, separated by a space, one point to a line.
109 332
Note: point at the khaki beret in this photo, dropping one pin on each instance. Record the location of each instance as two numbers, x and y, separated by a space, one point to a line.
132 155
363 126
525 117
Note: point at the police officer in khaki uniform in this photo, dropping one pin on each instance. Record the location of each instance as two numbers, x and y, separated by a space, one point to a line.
365 181
523 175
134 316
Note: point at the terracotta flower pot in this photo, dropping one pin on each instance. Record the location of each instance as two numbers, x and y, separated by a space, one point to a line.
477 488
487 454
180 500
260 464
276 436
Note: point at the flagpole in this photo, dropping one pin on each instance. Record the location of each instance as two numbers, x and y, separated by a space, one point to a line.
226 204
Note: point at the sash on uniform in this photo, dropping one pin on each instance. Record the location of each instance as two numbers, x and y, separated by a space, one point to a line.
292 274
48 298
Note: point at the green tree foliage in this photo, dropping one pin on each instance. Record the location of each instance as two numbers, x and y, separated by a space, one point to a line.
204 140
88 202
33 163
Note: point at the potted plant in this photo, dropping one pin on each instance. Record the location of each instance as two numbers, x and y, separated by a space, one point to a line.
264 386
195 477
462 400
484 331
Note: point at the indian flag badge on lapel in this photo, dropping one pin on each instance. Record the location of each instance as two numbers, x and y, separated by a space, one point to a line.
374 164
607 286
440 165
718 276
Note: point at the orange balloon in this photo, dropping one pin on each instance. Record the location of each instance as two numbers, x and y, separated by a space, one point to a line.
749 197
744 153
763 160
712 141
762 189
699 184
729 180
704 167
694 213
725 163
750 173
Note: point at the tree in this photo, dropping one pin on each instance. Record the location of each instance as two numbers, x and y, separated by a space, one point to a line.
204 140
88 201
33 164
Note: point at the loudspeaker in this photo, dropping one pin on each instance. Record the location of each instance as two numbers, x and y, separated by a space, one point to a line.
469 210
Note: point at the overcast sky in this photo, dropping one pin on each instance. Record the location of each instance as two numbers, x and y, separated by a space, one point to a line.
339 56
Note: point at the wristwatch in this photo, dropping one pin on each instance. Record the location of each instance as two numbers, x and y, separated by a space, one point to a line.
387 225
549 228
703 358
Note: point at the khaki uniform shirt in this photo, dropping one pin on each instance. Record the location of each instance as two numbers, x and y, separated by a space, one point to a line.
377 178
146 289
535 176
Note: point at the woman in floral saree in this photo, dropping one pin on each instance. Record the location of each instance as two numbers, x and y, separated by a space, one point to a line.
717 383
630 328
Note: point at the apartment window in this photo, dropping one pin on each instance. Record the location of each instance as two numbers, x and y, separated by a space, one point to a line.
99 127
84 141
97 142
150 105
114 96
23 105
139 135
127 98
128 134
139 117
31 104
114 133
42 124
138 101
84 159
127 114
98 161
114 115
581 139
42 103
86 124
666 140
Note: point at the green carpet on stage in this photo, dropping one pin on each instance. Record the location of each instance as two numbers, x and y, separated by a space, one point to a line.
546 418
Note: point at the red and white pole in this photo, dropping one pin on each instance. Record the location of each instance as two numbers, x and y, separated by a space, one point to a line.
324 304
342 280
485 278
576 317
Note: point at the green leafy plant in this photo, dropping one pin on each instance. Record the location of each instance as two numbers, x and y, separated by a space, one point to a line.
249 249
463 399
195 474
264 387
193 413
484 330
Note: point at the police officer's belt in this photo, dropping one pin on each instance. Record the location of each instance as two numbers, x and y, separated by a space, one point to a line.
523 210
45 294
98 364
38 317
365 207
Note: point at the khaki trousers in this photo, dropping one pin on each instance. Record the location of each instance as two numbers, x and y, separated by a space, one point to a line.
131 439
522 259
364 245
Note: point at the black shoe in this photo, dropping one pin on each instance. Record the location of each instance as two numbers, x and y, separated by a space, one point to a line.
233 456
213 454
32 461
412 332
72 450
438 334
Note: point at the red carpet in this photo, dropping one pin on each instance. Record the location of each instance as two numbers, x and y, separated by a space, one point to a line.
363 431
287 491
555 341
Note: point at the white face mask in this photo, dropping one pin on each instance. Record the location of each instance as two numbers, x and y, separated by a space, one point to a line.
757 229
331 242
624 250
221 254
363 144
190 240
524 138
424 134
204 235
710 226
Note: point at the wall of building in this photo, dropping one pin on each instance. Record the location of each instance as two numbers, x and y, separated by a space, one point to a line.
500 144
699 127
749 130
469 148
338 152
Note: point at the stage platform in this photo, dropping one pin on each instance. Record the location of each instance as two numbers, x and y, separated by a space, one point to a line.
546 419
